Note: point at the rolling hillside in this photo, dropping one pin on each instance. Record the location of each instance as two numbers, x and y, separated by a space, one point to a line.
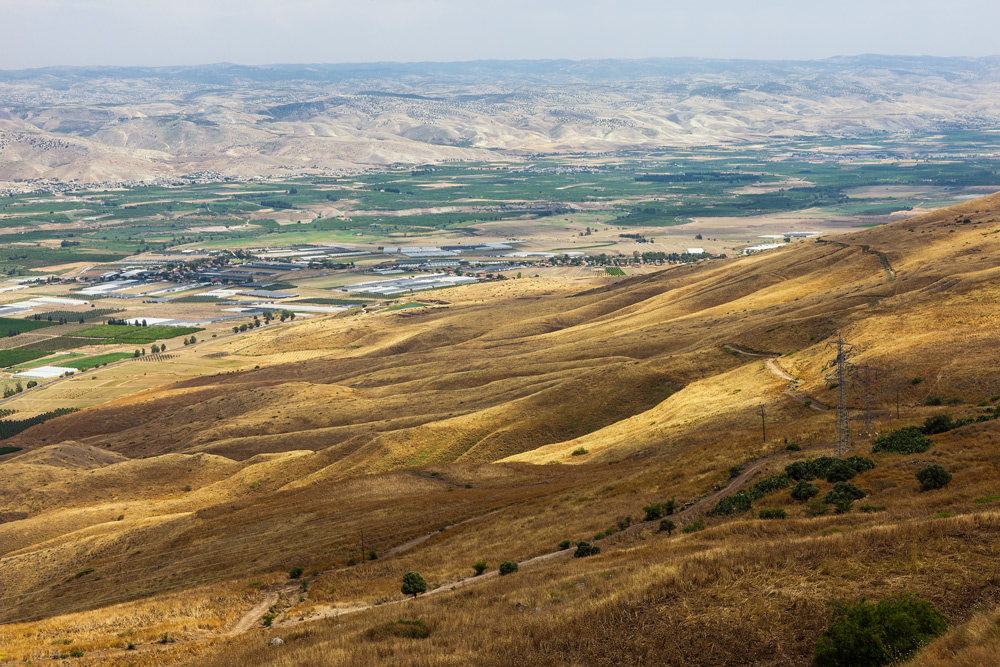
521 414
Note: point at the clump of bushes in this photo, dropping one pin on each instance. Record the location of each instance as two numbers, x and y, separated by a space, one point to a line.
479 567
741 501
295 573
668 526
933 477
693 527
508 567
768 485
579 451
803 491
842 496
843 491
773 514
907 440
942 424
658 510
871 634
829 468
565 544
733 504
584 549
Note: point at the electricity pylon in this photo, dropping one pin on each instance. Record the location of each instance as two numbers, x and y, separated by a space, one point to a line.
841 375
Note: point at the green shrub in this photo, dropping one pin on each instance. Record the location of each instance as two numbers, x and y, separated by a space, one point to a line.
734 504
860 463
267 620
768 485
693 527
934 400
870 508
734 471
803 491
907 440
668 526
793 447
932 477
508 567
76 653
937 424
565 544
843 491
295 573
580 451
813 468
942 424
658 510
479 567
584 549
773 514
801 470
870 634
840 472
916 380
413 584
842 505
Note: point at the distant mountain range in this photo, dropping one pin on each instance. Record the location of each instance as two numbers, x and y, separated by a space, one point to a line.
113 124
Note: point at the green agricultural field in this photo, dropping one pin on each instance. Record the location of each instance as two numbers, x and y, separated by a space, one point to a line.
664 188
97 360
116 333
10 324
49 361
17 356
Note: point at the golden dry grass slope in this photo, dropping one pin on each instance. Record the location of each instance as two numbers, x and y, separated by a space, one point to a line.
522 414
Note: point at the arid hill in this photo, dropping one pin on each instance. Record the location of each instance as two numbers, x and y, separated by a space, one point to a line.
140 124
521 414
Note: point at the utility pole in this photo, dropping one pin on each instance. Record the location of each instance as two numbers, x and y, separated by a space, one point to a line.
763 425
842 446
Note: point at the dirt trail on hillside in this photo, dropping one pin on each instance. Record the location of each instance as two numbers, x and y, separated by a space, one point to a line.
695 511
773 366
252 618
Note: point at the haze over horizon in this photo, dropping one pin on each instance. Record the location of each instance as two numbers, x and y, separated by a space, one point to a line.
116 32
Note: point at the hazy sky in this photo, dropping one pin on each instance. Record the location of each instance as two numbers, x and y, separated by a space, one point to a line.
38 33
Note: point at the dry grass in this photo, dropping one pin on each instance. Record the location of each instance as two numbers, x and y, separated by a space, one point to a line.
395 422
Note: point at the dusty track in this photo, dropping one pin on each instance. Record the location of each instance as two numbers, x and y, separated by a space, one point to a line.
774 367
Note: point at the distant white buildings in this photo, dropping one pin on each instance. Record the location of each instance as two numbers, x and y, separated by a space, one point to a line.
695 251
762 246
